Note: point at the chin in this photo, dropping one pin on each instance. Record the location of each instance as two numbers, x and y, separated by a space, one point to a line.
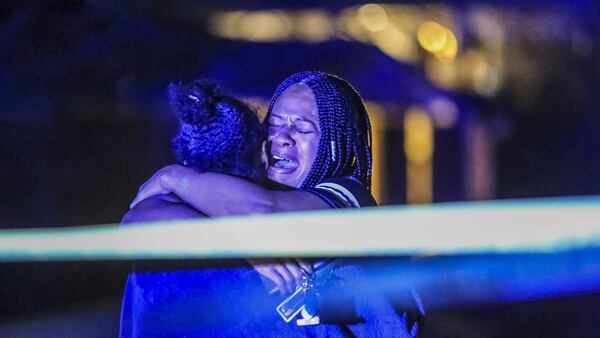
288 180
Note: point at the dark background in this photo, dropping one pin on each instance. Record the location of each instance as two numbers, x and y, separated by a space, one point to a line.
83 122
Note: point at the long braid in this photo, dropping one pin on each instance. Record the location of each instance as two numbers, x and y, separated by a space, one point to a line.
345 145
363 151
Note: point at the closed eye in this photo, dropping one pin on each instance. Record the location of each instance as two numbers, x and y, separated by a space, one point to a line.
305 128
273 127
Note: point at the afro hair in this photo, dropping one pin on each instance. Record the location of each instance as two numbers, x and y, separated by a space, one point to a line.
217 132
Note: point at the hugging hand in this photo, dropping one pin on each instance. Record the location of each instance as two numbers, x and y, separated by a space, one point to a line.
163 181
286 274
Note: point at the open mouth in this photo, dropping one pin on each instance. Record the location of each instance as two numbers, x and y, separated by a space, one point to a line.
284 162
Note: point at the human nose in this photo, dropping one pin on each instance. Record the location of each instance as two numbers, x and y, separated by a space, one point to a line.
283 137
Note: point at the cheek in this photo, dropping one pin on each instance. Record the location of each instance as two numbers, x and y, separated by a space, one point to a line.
311 147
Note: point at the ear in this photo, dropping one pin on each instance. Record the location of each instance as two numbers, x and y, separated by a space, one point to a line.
264 154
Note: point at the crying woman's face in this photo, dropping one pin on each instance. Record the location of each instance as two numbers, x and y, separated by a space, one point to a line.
294 135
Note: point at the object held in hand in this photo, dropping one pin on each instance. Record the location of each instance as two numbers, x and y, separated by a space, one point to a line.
308 319
296 303
292 305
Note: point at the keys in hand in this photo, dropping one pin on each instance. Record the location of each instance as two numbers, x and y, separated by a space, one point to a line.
294 304
283 275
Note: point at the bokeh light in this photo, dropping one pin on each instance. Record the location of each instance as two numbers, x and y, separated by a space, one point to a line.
395 43
419 133
443 74
373 17
264 26
450 49
438 40
225 24
258 26
349 25
479 74
432 36
313 26
444 112
418 149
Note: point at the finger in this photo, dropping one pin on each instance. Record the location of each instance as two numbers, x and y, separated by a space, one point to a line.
152 178
135 201
148 191
139 197
261 263
296 272
271 274
150 188
265 268
287 276
304 265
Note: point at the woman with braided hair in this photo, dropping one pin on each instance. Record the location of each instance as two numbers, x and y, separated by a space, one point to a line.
344 147
319 150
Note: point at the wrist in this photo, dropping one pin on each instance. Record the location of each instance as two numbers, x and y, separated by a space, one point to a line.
171 179
180 180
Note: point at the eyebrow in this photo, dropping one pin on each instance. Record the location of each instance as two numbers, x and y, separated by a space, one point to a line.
300 118
303 120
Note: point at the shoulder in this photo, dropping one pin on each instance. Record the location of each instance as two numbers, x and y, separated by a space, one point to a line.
343 192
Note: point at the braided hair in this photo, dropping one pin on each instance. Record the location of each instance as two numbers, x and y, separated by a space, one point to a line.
345 144
217 132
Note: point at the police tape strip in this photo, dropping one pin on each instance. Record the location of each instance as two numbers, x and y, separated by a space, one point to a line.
504 226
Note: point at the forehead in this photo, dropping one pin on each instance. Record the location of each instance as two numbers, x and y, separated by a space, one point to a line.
298 100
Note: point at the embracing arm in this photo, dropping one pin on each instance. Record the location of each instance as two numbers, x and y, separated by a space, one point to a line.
159 208
221 195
